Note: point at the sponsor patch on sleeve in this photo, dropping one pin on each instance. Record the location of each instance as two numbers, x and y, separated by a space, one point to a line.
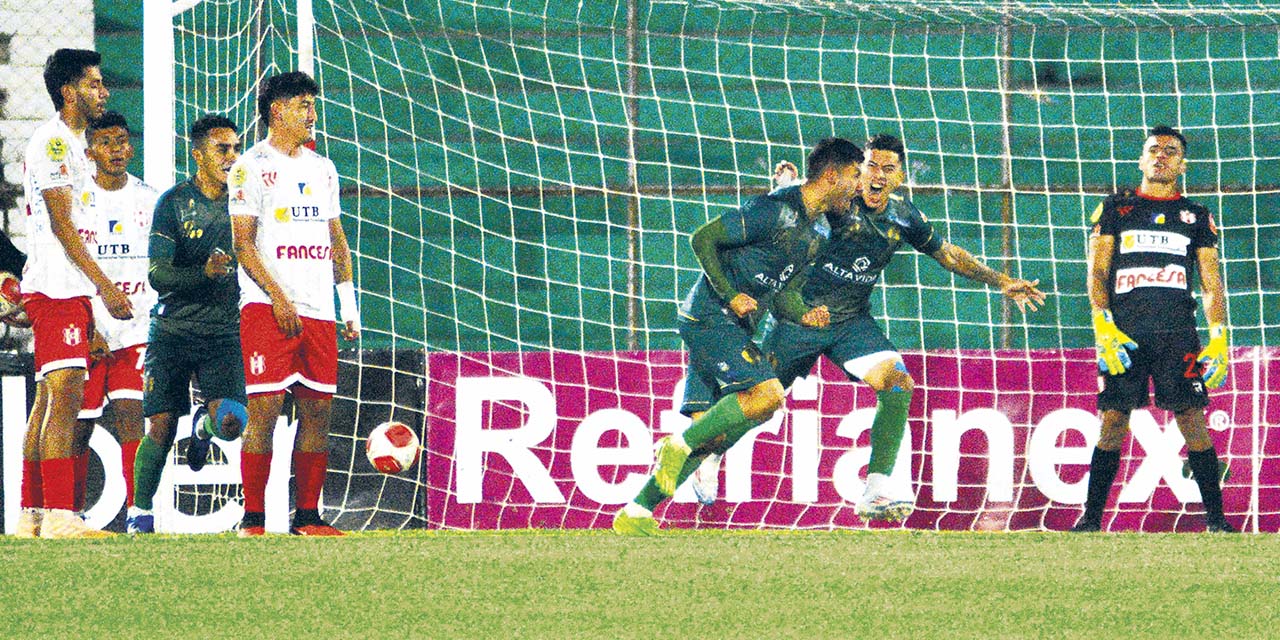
56 149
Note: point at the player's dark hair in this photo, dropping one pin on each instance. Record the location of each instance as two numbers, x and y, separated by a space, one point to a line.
831 152
64 67
886 142
1165 130
107 120
283 87
208 122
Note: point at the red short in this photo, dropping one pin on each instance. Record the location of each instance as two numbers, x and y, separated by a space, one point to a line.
62 328
116 378
273 362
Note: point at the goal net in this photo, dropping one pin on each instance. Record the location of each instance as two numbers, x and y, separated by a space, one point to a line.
520 180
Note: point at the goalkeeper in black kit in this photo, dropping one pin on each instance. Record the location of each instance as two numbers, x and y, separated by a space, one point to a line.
1145 249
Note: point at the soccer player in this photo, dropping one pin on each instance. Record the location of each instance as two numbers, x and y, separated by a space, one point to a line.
195 326
121 206
865 238
59 278
293 251
747 256
1145 248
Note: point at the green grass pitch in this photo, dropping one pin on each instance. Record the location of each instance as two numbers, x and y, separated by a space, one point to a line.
562 584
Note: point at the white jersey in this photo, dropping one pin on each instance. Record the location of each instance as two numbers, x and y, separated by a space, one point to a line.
293 199
123 231
55 157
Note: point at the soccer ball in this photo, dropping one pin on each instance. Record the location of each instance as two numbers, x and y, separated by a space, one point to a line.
392 447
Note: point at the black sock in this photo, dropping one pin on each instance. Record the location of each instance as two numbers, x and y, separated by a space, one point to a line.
1204 468
304 517
253 519
1102 472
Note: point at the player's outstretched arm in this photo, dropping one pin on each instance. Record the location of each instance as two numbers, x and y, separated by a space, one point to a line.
961 262
707 242
342 278
1214 356
245 230
58 202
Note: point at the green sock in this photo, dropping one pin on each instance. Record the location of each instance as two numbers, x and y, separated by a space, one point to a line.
651 496
734 434
717 421
887 429
148 464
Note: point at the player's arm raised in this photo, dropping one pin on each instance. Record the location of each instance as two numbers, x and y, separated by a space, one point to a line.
342 277
961 262
58 202
245 230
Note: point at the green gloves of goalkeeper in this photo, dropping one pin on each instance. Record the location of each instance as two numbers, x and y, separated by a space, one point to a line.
1113 344
1214 357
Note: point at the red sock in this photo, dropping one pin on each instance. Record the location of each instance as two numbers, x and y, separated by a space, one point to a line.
32 491
82 476
58 477
128 452
308 472
254 470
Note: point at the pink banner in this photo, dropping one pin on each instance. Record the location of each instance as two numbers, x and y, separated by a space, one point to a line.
999 441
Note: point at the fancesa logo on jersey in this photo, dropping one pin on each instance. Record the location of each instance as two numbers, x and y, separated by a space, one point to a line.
1154 242
303 252
1171 276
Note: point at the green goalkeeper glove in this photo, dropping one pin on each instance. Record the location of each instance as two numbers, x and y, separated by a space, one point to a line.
1113 344
1214 357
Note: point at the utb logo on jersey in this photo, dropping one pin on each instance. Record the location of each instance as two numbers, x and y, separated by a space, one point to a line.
304 189
1158 219
115 227
56 149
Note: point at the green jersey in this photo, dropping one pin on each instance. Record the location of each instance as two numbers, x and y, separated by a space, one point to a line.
187 228
862 244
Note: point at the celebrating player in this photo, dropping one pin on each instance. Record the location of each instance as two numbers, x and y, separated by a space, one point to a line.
747 256
288 231
1145 248
60 277
195 327
864 240
121 206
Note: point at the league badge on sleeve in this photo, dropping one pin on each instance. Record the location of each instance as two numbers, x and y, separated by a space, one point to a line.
56 149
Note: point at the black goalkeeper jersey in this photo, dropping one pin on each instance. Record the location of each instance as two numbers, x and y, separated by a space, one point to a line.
1154 263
